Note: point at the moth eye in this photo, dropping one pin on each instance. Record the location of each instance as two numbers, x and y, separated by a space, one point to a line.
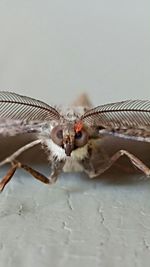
57 135
78 135
81 138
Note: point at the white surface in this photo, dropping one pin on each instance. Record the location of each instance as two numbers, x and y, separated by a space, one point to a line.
53 50
77 222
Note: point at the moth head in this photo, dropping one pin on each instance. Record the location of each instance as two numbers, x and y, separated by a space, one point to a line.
70 136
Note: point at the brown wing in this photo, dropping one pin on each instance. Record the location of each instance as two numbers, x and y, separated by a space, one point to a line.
128 119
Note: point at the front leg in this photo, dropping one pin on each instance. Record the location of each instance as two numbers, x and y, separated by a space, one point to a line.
56 168
108 162
55 171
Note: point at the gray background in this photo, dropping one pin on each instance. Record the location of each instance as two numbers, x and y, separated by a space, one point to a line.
54 50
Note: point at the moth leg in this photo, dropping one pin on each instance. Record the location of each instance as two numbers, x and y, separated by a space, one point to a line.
7 177
37 175
12 157
56 169
14 167
107 164
96 161
134 160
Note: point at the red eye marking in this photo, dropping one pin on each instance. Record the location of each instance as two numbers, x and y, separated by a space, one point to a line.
78 126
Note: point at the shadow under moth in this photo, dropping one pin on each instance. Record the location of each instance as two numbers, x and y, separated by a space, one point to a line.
72 137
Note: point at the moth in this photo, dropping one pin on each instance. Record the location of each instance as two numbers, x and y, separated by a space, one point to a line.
72 137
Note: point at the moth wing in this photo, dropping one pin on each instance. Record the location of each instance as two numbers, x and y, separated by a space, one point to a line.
127 119
14 127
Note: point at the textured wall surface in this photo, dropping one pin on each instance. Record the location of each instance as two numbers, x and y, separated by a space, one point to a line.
77 222
54 50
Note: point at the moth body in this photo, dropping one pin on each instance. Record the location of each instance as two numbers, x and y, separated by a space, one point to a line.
72 137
